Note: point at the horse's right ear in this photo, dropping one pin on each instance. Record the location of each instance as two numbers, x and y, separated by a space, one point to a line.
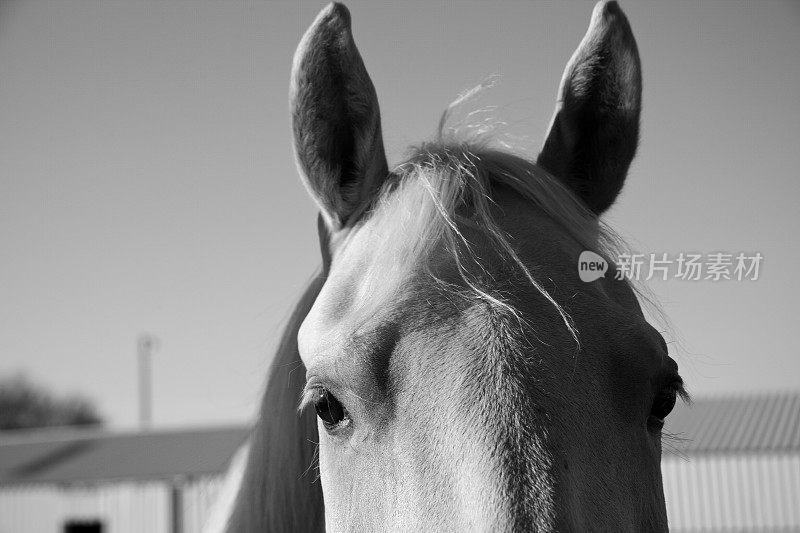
595 129
336 120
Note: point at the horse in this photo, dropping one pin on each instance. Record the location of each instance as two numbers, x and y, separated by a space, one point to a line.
453 371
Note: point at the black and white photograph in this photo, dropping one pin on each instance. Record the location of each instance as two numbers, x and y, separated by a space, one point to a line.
399 266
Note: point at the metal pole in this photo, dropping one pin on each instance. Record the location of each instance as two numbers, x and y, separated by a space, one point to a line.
146 345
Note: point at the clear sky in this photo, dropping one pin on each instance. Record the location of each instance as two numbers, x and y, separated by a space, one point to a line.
147 182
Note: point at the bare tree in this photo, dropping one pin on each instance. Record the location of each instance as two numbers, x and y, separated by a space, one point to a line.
24 404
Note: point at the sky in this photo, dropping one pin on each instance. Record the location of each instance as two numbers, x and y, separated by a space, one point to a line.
147 182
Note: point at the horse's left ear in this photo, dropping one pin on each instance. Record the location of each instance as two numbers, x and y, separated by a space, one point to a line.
595 129
336 120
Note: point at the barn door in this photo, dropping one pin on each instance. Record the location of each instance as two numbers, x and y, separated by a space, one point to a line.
84 526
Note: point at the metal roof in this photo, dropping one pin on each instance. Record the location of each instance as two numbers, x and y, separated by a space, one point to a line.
86 456
765 423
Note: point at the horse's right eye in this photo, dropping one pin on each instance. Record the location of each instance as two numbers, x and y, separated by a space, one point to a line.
330 410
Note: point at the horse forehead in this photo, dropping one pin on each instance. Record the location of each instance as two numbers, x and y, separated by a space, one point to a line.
370 270
378 263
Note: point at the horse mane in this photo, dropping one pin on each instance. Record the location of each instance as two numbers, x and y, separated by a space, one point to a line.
471 153
280 489
461 167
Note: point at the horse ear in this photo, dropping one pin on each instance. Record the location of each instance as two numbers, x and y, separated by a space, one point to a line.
595 128
336 119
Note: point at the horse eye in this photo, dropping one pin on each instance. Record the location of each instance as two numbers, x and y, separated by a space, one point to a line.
663 404
330 410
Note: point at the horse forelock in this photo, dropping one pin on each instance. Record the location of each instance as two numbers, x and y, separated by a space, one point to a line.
447 185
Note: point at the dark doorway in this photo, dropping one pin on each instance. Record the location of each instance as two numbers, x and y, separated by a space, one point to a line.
83 526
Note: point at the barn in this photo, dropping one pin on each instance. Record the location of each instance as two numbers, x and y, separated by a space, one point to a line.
733 464
79 481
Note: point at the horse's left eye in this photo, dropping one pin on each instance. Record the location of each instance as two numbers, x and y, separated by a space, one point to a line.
330 410
663 404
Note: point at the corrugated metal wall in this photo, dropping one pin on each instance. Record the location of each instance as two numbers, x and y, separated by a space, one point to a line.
732 492
198 502
122 507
